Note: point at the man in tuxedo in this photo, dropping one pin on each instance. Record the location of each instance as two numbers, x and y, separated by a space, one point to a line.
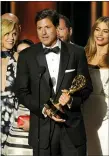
51 135
64 29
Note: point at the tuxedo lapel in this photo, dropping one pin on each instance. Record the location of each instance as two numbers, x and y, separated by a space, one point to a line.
64 59
41 59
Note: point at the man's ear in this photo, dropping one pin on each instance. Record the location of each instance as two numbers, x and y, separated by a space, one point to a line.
19 28
71 31
57 31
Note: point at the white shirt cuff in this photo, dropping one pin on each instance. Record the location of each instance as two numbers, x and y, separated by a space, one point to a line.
70 104
43 110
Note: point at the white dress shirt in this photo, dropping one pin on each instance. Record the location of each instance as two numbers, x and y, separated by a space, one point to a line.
53 61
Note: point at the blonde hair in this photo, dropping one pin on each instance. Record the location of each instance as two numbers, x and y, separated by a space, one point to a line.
7 26
104 61
90 47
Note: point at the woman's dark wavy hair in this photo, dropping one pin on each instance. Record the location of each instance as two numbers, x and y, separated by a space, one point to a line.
48 13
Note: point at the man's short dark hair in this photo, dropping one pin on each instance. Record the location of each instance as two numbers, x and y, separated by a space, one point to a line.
48 13
67 22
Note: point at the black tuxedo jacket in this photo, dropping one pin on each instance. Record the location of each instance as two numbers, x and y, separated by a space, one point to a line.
27 90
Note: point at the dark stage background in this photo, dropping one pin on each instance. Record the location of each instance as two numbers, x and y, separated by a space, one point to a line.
81 14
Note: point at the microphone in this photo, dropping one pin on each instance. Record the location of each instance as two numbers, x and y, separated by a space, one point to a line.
52 83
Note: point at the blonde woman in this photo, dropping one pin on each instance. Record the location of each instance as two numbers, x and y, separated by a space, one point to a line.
8 71
96 108
17 140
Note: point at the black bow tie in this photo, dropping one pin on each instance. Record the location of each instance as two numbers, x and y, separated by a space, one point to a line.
48 50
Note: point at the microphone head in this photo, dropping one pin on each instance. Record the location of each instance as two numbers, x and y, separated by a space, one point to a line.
42 70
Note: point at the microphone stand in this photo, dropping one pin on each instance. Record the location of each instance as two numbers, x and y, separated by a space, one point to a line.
39 121
42 70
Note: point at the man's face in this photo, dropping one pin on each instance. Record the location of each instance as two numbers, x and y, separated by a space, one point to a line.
63 32
46 32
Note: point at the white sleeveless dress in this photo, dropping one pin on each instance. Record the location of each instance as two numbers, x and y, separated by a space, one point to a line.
96 113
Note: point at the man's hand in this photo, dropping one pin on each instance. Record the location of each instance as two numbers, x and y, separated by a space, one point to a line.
64 98
53 117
